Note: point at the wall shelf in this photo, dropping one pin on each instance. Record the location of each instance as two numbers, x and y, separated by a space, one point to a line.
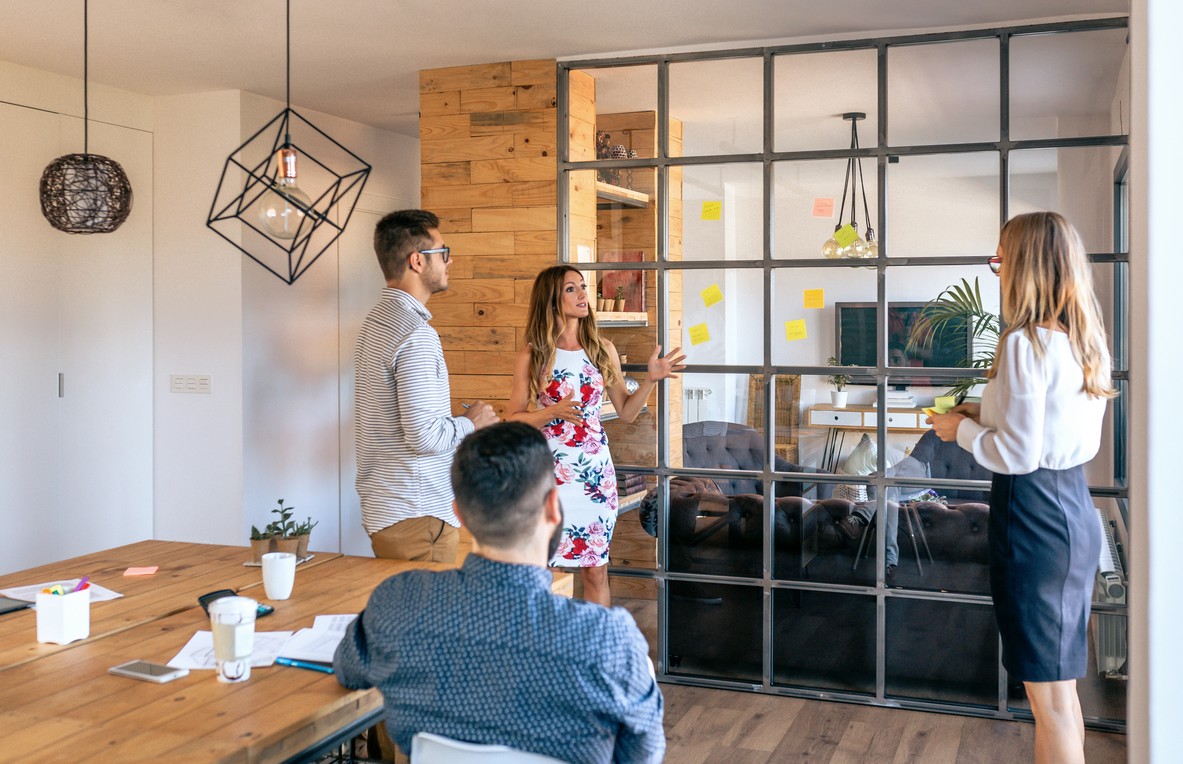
618 195
609 319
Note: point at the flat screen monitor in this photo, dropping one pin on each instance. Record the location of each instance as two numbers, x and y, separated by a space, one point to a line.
952 347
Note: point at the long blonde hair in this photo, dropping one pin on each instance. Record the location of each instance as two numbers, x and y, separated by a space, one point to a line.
545 322
1047 281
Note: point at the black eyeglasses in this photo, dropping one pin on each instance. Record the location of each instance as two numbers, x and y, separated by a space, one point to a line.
445 251
995 264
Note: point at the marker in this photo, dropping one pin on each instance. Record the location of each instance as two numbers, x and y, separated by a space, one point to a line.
304 665
466 406
81 585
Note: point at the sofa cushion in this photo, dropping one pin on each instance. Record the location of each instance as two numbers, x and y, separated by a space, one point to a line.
950 461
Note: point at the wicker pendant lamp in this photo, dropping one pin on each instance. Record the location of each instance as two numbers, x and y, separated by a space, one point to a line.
85 193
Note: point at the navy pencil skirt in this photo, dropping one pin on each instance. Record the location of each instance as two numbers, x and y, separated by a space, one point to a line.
1044 547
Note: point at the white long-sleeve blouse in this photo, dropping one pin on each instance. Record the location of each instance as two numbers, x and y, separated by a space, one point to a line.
1035 412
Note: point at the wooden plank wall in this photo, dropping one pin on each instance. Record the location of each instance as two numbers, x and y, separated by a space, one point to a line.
488 151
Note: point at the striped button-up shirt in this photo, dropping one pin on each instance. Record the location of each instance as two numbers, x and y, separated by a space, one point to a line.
405 433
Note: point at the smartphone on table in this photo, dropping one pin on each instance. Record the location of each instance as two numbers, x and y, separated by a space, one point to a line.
205 599
149 672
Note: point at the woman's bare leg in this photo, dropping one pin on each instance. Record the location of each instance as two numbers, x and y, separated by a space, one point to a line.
1059 724
595 585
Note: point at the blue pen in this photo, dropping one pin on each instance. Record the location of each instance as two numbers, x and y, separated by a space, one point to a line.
304 665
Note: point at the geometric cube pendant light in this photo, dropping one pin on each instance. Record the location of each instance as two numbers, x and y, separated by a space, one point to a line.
287 193
85 193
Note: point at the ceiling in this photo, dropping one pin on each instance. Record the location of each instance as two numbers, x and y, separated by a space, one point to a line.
360 59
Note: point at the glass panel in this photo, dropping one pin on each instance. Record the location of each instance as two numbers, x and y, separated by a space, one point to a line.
1069 84
943 205
1076 182
912 343
599 100
943 93
823 641
720 310
715 630
625 216
724 206
808 203
720 105
817 538
811 88
805 307
941 651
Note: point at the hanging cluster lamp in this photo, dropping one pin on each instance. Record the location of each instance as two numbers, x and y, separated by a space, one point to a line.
287 193
846 241
85 193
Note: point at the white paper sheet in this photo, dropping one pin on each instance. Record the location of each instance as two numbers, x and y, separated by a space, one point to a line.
29 593
320 642
199 652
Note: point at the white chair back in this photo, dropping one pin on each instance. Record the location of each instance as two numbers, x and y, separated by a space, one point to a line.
428 748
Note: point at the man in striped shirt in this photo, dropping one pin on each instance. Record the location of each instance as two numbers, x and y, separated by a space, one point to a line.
405 432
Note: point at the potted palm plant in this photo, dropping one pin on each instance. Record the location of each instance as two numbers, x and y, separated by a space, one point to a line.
958 306
839 381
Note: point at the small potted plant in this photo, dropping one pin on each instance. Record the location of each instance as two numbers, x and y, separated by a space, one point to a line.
260 543
284 529
303 531
600 299
839 381
618 306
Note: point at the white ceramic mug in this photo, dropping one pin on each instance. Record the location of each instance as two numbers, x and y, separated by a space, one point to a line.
279 574
232 621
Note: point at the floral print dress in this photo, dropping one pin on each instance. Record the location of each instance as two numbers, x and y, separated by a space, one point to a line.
583 466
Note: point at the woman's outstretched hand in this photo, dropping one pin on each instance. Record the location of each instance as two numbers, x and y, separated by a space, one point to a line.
664 368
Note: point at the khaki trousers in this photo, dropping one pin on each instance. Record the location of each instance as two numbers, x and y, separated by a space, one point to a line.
420 539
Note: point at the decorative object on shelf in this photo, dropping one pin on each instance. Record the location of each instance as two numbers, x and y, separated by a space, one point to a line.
618 303
632 282
282 212
839 381
85 193
846 241
628 174
957 306
604 151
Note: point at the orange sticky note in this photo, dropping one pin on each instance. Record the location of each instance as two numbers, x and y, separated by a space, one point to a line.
795 329
712 210
699 334
815 298
711 295
141 571
823 208
845 235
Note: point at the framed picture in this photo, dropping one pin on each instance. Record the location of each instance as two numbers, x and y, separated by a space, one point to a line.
633 282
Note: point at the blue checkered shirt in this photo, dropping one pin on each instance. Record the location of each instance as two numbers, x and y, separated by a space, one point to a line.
488 654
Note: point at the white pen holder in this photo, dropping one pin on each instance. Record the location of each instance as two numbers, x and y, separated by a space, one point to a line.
63 618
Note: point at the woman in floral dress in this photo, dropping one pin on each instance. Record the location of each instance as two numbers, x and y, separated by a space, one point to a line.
559 382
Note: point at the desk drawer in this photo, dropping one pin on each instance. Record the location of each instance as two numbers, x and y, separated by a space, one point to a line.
895 420
836 418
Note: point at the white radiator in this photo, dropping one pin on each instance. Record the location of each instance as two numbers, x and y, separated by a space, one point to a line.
694 408
1109 629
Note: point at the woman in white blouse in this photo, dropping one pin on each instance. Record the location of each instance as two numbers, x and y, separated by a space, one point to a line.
1038 424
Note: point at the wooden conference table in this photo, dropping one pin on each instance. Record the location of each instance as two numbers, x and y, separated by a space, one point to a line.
58 703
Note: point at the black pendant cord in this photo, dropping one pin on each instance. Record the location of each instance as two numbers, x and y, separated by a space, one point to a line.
287 138
85 78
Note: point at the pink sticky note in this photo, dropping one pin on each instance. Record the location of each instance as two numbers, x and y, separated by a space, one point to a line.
823 207
141 571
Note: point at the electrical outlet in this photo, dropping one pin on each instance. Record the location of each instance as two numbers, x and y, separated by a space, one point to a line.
189 383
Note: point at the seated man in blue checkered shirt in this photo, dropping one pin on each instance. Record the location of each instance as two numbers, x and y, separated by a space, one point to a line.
487 653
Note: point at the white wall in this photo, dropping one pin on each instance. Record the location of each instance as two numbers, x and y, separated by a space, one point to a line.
75 471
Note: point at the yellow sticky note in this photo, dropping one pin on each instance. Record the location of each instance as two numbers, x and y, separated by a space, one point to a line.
815 298
944 403
712 210
795 329
699 334
845 235
711 295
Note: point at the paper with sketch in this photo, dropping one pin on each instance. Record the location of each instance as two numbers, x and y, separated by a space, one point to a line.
320 642
199 652
29 593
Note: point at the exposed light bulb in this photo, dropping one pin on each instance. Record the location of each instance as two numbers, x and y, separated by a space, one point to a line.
282 207
872 246
858 248
831 249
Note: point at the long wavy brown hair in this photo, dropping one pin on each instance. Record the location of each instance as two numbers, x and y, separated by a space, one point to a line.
1048 282
545 322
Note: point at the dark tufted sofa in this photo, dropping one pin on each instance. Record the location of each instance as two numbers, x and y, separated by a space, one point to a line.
955 530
